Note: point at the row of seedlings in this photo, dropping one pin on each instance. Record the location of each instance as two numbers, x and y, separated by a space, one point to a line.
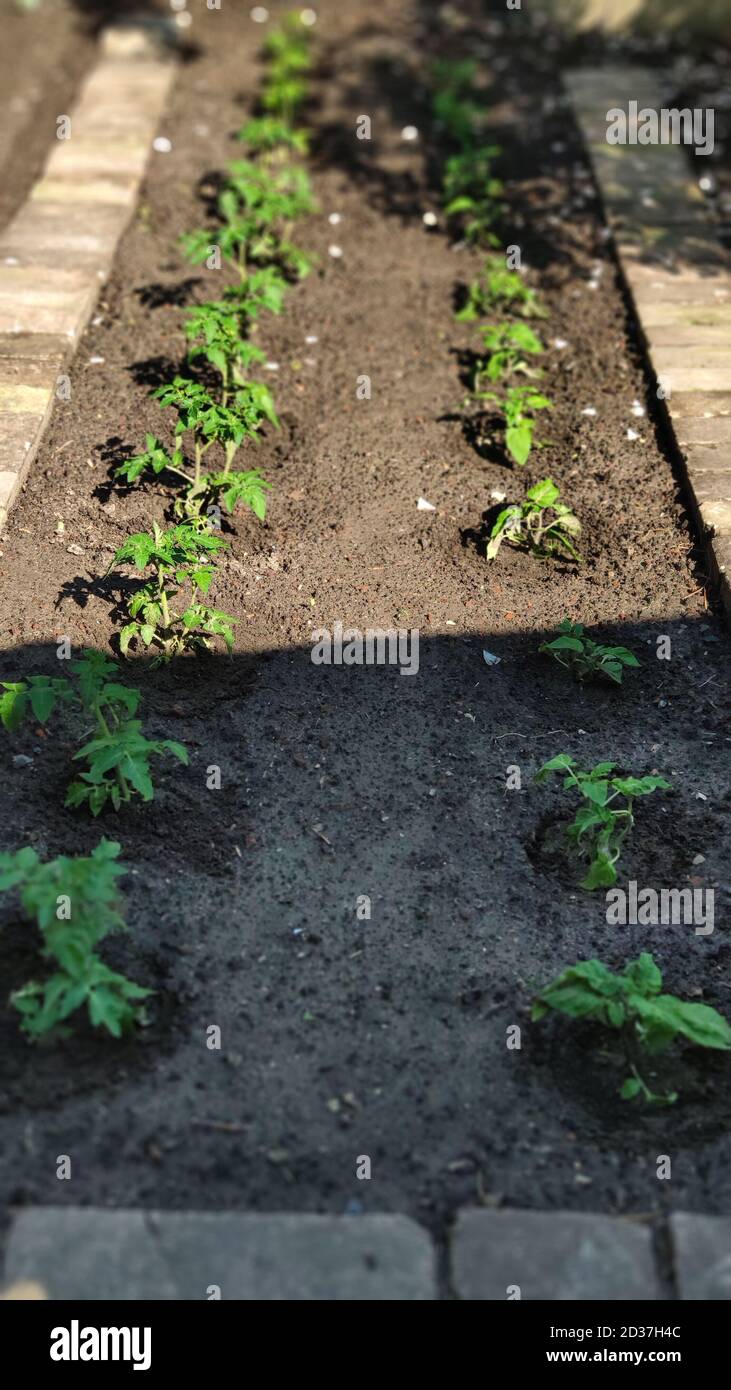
75 900
502 385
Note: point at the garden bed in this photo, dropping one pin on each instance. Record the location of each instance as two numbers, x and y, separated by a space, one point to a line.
386 1037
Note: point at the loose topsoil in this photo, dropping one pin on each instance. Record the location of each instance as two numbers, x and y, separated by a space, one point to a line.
382 1036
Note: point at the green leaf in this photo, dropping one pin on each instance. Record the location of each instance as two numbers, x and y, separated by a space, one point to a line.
631 1088
13 704
639 786
136 771
602 873
564 644
129 631
561 763
177 749
644 975
518 439
699 1023
596 790
544 493
42 698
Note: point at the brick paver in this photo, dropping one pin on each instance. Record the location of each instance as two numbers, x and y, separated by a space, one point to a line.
88 1253
58 249
85 1253
680 278
551 1255
702 1256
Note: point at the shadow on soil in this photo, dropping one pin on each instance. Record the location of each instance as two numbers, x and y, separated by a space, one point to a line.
364 909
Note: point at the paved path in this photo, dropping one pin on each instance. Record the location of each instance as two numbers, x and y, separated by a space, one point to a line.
85 1253
679 278
58 249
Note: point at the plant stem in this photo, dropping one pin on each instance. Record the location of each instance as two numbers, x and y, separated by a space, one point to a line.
121 779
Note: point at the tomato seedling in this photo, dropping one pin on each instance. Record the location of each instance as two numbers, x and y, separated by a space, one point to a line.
287 50
74 903
603 822
506 345
540 524
261 201
632 1004
584 658
518 407
215 332
118 756
268 136
256 210
179 557
470 190
499 288
209 423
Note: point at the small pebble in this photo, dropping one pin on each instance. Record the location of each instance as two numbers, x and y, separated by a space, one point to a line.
632 434
429 219
162 144
308 17
259 14
75 549
424 506
22 760
589 410
335 251
638 409
560 343
334 219
409 132
312 338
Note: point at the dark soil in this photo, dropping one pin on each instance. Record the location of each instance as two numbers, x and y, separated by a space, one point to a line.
386 1037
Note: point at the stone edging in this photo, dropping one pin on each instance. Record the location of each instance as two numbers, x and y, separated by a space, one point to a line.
58 249
680 280
87 1253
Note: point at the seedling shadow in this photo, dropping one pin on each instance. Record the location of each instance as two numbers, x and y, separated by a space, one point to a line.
158 295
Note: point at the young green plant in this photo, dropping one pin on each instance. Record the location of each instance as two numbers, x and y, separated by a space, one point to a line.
256 210
586 659
118 755
518 407
183 557
287 51
75 904
499 288
540 524
209 423
606 816
506 346
470 190
631 1003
